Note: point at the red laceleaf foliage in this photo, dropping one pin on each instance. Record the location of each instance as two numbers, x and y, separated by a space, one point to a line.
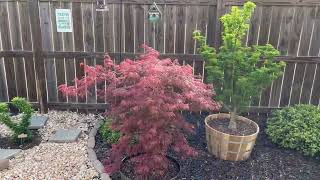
146 98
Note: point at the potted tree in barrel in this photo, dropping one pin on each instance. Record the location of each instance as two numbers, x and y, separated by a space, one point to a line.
238 73
146 97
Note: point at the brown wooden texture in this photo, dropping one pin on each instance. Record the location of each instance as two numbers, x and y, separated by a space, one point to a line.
38 55
6 45
229 147
47 44
290 26
27 44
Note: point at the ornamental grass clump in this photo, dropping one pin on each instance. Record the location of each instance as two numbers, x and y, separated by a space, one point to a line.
237 71
146 97
22 126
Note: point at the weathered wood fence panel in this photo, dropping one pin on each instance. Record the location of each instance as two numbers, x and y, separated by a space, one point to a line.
291 26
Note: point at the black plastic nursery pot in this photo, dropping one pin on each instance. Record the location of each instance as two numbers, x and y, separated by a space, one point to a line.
125 177
13 109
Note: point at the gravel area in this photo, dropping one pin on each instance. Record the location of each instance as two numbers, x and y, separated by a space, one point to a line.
55 160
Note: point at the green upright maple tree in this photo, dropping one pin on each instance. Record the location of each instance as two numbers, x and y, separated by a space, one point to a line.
237 71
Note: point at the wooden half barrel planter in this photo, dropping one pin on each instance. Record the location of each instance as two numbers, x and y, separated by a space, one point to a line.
226 146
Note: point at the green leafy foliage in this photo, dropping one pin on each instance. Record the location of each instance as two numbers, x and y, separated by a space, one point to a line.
108 134
297 128
237 71
21 127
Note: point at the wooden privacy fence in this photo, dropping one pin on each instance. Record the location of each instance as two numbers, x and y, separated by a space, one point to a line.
35 58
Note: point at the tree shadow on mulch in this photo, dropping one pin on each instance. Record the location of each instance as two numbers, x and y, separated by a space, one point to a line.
9 143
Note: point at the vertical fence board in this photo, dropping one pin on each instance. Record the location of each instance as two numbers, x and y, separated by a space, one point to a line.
128 29
27 45
170 14
180 28
140 26
88 39
58 46
308 81
286 26
212 20
6 45
99 43
263 40
253 39
277 15
3 88
19 70
191 26
117 16
78 41
315 96
108 30
315 41
69 62
202 23
159 32
294 45
47 44
307 75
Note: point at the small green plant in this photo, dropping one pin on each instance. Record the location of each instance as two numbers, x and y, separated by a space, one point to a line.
108 134
296 127
237 71
21 127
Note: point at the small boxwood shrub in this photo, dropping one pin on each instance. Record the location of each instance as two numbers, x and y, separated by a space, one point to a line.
21 127
297 127
108 134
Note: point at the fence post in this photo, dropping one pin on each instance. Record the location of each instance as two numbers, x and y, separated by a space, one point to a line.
38 54
221 9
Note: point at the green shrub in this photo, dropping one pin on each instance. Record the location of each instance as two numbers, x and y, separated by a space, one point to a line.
21 127
238 72
297 128
108 134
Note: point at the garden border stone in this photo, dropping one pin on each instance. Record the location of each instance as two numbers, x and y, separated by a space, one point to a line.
92 154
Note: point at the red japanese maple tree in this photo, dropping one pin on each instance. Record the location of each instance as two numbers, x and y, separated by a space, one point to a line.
146 98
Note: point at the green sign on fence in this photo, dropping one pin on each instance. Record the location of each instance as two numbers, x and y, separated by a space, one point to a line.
63 20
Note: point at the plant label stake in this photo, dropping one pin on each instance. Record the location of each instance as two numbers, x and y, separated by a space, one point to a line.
154 13
101 5
22 137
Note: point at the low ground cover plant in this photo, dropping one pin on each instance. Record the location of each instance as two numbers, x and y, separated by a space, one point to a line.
296 127
238 72
21 127
146 97
108 134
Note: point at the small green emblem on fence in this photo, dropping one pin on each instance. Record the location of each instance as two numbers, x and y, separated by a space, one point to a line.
63 20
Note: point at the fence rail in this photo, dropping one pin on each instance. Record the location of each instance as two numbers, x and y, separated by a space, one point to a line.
35 58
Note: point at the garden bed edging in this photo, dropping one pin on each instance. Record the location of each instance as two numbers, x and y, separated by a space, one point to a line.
92 154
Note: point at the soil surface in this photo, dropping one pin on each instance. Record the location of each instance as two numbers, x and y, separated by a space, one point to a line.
267 161
9 143
243 129
128 170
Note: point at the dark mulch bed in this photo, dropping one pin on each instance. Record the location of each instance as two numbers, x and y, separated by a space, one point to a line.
267 161
8 143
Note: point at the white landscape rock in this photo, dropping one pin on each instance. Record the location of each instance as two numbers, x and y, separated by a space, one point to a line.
55 160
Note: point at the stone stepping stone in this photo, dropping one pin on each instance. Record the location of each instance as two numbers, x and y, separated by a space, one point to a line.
38 122
8 153
65 135
4 164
